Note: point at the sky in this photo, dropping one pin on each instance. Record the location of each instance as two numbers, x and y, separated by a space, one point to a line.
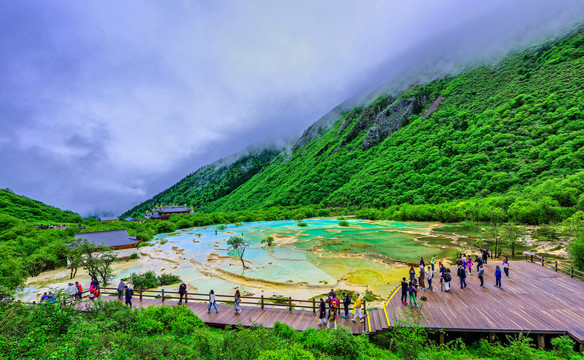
105 104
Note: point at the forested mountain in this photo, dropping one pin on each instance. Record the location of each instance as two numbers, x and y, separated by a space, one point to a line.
210 182
23 208
513 131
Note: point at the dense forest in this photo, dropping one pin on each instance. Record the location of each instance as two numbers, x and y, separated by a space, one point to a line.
507 138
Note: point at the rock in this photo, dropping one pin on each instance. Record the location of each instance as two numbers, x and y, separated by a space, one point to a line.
391 119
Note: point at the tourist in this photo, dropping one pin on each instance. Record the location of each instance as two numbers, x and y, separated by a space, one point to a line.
412 273
485 255
442 270
498 277
332 318
413 293
433 261
121 288
331 296
506 266
479 261
45 297
212 302
346 303
461 273
322 312
422 277
129 293
422 263
237 301
93 293
182 291
79 294
447 278
357 310
71 291
95 284
52 299
430 277
469 265
481 273
404 295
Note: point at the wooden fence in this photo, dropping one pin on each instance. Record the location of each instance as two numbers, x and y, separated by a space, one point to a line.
261 301
546 262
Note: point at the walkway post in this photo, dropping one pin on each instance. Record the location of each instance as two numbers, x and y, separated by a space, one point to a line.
572 271
262 302
542 260
140 294
556 265
186 297
313 306
531 257
365 312
541 341
290 303
162 295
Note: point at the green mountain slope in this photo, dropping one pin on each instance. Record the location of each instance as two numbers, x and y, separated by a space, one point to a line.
211 182
501 129
23 208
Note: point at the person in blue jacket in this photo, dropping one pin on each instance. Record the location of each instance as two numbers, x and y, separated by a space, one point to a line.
462 275
498 277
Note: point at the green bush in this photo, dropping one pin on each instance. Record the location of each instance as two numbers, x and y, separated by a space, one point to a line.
134 256
221 227
302 223
564 346
343 223
146 280
165 227
268 240
169 279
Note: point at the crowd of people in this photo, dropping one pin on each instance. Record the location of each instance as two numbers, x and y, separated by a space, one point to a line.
464 265
330 317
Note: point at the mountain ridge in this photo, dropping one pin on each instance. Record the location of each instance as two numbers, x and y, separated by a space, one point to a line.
492 130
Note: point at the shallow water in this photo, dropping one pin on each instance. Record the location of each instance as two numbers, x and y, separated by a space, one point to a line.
303 262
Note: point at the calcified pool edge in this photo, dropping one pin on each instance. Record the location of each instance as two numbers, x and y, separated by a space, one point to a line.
299 264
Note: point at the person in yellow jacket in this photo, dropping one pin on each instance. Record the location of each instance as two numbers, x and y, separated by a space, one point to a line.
357 310
432 262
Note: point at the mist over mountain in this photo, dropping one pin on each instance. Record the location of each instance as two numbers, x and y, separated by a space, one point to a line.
504 131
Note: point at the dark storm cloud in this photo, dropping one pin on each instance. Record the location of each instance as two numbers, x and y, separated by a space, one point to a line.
104 104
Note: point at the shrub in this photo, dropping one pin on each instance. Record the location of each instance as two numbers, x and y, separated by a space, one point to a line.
302 223
146 280
165 227
168 279
221 227
343 223
134 256
268 240
564 346
149 280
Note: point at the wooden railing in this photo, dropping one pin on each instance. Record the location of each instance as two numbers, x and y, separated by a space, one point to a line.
546 262
261 301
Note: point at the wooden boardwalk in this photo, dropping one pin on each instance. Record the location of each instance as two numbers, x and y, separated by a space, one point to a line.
535 299
249 316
